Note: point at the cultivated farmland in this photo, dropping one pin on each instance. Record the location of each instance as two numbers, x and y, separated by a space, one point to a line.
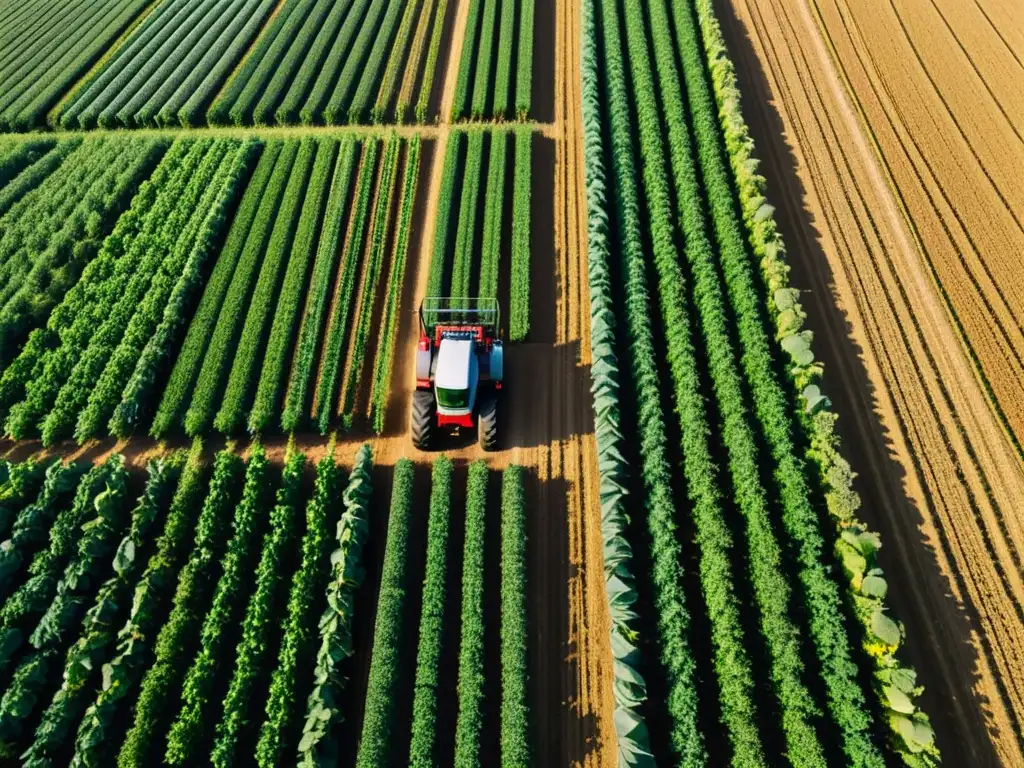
219 544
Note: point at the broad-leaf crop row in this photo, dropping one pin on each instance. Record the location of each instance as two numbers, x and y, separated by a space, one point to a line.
515 746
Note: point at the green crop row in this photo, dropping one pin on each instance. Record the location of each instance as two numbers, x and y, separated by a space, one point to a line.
503 67
310 333
253 340
436 281
33 76
433 50
469 723
396 278
371 277
386 663
389 84
432 619
462 261
253 653
282 330
177 639
519 282
194 349
494 208
323 707
190 727
121 673
910 729
484 61
524 66
515 742
16 156
103 619
176 53
277 735
218 358
361 106
351 261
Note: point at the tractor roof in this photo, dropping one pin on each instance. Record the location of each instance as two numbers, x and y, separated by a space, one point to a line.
453 361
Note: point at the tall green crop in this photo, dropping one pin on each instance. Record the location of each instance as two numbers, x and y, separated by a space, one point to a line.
519 282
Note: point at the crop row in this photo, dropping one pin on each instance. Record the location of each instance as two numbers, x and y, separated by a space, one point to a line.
668 183
59 209
324 62
179 611
463 264
96 363
282 329
487 85
170 67
39 59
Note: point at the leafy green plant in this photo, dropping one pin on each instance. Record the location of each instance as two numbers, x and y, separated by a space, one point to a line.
396 58
462 261
484 61
253 652
198 688
460 102
103 619
429 69
494 207
437 280
503 67
323 707
524 66
277 736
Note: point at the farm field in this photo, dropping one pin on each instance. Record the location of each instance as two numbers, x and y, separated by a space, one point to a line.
218 541
903 236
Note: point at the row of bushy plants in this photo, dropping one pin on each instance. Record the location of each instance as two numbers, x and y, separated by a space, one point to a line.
108 612
494 210
351 264
279 346
432 619
515 729
254 651
321 282
93 745
384 48
178 637
191 359
465 251
856 546
255 330
519 281
430 67
381 225
396 58
224 337
386 662
324 705
672 613
386 346
469 722
436 280
191 725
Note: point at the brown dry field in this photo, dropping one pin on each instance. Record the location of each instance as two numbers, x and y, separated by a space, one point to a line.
547 420
891 138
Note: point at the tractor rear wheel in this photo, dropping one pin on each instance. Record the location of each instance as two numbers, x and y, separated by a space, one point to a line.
487 422
424 413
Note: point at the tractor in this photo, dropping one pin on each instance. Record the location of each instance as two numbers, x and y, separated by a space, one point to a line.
458 370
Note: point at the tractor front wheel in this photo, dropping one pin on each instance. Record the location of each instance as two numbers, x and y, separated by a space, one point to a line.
424 416
487 423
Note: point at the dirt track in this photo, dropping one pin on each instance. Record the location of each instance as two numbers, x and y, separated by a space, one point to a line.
939 475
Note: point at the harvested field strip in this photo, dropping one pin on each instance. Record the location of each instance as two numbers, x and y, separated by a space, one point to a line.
962 474
964 225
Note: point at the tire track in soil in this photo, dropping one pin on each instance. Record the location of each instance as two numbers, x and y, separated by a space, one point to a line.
938 477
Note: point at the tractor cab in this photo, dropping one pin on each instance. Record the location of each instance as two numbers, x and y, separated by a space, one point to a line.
459 366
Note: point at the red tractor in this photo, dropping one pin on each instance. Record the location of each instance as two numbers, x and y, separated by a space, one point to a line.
458 370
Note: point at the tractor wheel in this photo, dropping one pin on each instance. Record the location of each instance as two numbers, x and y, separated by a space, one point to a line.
487 422
424 412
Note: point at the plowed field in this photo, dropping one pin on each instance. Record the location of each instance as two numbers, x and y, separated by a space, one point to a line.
891 134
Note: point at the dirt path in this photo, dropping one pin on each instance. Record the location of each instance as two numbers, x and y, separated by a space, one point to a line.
938 475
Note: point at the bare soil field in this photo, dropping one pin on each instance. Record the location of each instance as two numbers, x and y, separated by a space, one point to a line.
890 135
